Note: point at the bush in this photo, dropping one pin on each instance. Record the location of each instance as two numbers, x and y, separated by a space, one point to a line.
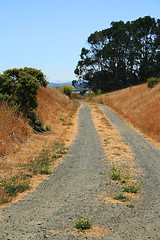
39 122
134 188
115 175
91 94
48 128
16 184
19 88
153 81
83 224
66 89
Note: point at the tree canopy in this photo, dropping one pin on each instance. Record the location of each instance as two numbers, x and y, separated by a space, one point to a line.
120 56
19 88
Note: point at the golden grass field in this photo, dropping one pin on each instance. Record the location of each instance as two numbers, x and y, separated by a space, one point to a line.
139 105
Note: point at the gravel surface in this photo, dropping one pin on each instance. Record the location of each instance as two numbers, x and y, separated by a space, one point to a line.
75 189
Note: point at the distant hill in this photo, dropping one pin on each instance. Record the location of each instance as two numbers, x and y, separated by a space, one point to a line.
59 84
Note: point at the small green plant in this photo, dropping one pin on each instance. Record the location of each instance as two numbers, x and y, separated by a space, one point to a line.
16 184
115 174
106 141
91 94
83 224
130 206
48 128
98 92
41 165
56 156
153 81
69 123
61 152
62 119
39 122
134 188
121 197
45 171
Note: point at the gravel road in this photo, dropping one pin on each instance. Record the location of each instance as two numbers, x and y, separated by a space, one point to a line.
75 189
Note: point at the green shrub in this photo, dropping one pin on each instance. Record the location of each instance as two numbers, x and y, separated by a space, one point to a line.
66 89
39 122
16 184
98 92
83 224
19 88
134 188
153 81
121 197
115 174
48 127
91 94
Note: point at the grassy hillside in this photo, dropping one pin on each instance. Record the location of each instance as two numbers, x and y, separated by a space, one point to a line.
140 105
18 141
14 130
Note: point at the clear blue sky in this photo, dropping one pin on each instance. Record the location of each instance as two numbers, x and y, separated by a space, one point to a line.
49 34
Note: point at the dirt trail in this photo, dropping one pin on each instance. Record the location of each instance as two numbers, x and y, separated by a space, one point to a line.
77 189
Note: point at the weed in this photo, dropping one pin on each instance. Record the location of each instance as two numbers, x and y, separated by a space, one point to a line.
153 81
48 127
58 145
61 152
134 188
56 156
62 119
115 174
41 165
39 122
121 197
130 206
106 141
69 123
45 171
83 224
16 184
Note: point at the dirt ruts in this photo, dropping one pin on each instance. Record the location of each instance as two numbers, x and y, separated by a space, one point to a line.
77 188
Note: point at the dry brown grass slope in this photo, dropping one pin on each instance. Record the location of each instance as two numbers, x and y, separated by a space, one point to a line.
140 106
14 130
18 142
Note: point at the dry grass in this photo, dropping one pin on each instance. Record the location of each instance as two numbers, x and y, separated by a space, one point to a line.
20 145
124 170
139 105
14 130
52 105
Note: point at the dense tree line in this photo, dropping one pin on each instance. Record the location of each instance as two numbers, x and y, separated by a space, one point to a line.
19 86
120 56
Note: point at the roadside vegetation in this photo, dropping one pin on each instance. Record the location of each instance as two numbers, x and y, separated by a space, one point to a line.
123 184
41 165
83 224
32 136
139 105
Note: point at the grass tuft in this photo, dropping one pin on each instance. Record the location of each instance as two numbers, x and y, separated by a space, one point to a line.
10 187
133 188
83 224
115 174
121 197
